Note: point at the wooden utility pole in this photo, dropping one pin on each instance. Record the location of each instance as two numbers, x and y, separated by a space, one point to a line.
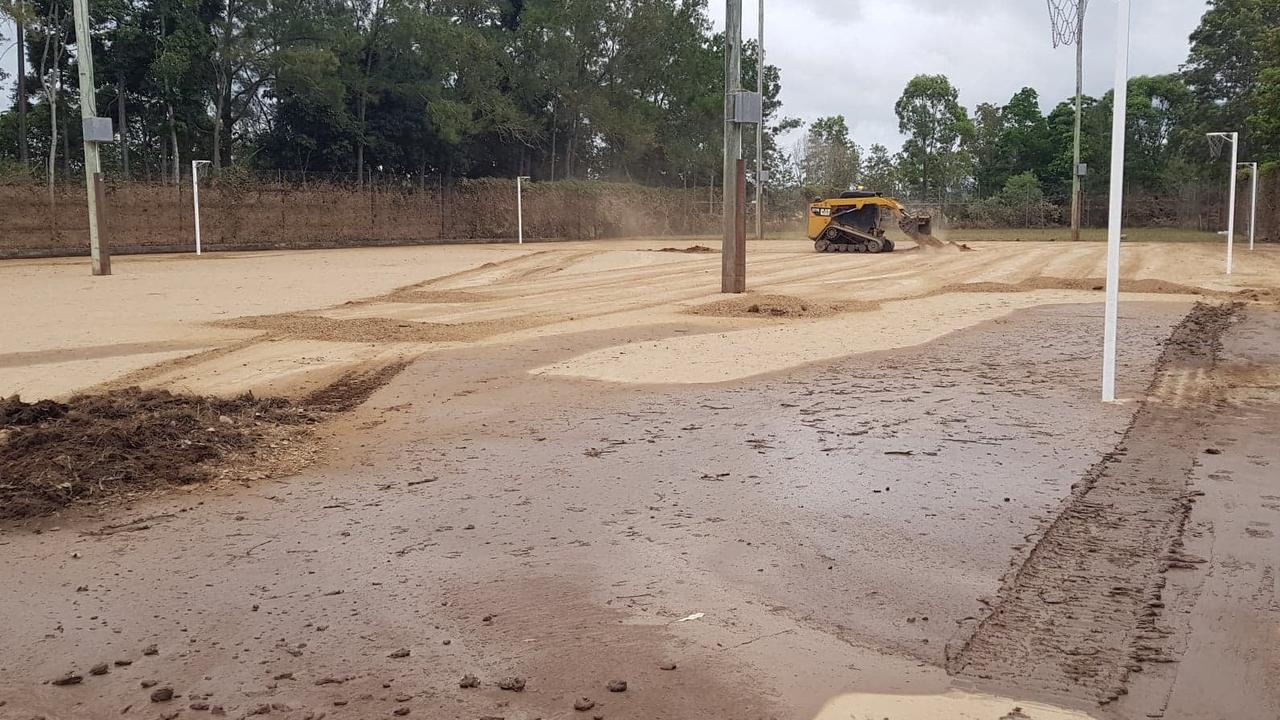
733 249
92 133
760 125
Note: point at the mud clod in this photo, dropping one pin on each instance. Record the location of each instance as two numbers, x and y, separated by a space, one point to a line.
514 684
162 694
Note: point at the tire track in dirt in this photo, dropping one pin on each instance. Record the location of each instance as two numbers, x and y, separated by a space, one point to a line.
1083 611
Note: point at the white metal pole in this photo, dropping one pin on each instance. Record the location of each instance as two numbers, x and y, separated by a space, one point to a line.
520 210
1231 202
195 199
1118 118
1253 203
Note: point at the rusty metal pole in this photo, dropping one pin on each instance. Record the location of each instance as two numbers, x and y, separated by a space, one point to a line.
739 275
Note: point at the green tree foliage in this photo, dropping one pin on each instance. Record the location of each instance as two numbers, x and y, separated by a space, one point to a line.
1264 115
938 131
1020 203
880 171
830 162
1229 51
626 89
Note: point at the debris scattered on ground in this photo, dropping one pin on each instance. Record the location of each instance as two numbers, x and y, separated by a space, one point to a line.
99 669
668 666
583 704
401 653
694 616
150 650
469 681
617 686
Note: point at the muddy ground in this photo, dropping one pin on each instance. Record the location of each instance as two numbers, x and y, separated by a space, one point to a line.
852 527
912 510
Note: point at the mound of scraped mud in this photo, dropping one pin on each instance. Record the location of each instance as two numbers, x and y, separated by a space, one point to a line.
1146 285
95 446
777 306
123 442
931 243
694 249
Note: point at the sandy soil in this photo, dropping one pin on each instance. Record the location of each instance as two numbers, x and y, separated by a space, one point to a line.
291 322
873 517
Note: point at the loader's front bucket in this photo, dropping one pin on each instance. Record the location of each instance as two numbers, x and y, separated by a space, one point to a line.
915 227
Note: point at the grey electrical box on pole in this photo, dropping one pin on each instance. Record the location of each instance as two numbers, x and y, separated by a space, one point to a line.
93 128
747 107
97 129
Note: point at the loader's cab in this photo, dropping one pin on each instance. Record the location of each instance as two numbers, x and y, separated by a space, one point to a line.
857 209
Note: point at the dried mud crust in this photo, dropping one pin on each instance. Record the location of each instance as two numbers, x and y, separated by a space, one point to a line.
100 446
1082 612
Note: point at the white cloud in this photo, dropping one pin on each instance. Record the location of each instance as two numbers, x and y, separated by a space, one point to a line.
853 57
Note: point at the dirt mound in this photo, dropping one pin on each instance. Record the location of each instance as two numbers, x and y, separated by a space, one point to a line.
93 447
690 249
15 412
1147 285
779 306
127 440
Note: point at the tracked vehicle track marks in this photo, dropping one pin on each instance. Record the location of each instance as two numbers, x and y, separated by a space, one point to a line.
1083 610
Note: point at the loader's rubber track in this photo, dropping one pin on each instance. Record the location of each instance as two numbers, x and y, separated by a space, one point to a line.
843 239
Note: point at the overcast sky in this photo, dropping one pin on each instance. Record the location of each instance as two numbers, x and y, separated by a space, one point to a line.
853 57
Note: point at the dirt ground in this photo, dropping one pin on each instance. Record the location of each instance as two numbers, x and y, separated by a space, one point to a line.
879 494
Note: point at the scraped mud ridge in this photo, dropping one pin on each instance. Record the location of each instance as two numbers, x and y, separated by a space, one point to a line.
1083 611
123 442
1144 285
779 306
301 326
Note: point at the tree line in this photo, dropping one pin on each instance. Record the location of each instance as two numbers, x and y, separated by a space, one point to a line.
577 89
555 89
1015 153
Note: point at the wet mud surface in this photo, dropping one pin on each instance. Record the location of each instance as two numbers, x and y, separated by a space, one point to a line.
742 550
